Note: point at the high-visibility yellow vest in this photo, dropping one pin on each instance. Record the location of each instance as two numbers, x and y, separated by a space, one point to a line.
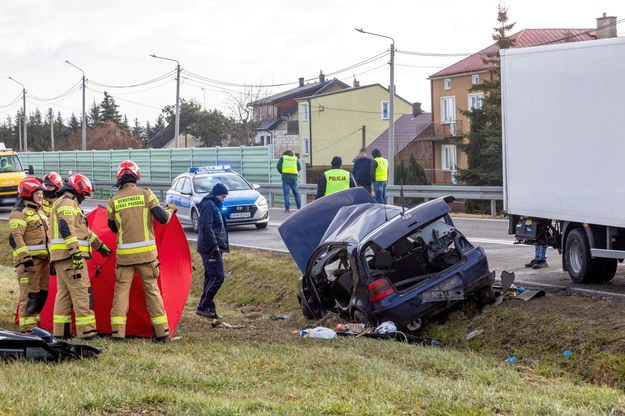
336 180
381 172
289 164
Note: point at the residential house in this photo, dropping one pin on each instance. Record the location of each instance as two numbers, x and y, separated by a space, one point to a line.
340 123
165 139
451 96
277 115
410 131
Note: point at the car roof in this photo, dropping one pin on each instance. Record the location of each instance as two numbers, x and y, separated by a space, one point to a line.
203 175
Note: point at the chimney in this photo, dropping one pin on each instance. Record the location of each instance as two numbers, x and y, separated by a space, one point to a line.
606 27
322 77
301 81
416 109
356 83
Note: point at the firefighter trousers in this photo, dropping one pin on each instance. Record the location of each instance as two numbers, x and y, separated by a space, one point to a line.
73 292
33 292
154 302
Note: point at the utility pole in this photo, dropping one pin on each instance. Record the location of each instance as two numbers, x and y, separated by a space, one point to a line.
52 129
391 109
364 137
204 93
84 113
25 117
177 124
19 133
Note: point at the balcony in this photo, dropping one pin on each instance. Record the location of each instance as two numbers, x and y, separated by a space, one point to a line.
440 131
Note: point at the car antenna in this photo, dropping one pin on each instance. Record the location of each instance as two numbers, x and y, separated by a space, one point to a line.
403 197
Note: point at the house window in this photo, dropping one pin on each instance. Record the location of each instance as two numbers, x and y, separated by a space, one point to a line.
448 110
475 101
262 140
292 127
305 146
448 157
303 111
475 79
384 110
268 140
447 84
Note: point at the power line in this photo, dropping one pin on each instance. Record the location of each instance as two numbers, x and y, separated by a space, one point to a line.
449 55
420 66
146 89
126 100
12 103
67 93
157 79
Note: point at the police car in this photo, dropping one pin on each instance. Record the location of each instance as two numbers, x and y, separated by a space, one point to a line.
244 205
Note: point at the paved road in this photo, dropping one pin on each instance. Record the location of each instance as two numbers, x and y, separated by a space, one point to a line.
491 234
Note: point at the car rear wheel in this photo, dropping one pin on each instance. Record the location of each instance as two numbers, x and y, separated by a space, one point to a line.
306 310
195 220
261 225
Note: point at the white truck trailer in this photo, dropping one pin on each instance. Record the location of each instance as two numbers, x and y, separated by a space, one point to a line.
564 152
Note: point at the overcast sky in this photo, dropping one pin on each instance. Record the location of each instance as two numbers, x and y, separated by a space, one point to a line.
246 42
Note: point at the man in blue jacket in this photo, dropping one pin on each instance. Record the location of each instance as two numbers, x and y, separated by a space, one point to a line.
212 241
361 170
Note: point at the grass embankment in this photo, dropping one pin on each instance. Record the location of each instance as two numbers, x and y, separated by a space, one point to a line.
265 369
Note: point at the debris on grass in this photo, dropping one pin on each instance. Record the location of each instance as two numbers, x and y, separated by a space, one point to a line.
474 334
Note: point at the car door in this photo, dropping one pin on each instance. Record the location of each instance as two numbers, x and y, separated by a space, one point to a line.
172 196
186 195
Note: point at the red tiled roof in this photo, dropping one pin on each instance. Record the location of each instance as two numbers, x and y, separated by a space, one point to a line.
522 39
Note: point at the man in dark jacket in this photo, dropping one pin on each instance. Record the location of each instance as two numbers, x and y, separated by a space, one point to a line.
289 167
212 240
361 171
335 179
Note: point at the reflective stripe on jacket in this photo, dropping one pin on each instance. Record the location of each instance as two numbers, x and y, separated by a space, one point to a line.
28 237
130 209
69 231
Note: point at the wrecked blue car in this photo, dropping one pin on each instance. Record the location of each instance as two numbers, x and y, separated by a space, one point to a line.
373 263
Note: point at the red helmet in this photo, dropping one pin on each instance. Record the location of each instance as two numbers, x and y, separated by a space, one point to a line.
29 185
81 184
53 179
128 166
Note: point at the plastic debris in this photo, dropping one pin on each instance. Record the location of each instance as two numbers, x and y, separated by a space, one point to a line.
567 353
520 290
320 332
284 317
474 334
350 328
511 359
386 328
528 294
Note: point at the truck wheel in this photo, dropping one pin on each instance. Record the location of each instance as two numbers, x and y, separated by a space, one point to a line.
606 271
581 266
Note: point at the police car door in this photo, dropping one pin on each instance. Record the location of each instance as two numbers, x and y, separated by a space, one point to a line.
186 195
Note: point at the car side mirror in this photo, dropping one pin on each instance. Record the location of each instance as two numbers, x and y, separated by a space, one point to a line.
255 186
31 170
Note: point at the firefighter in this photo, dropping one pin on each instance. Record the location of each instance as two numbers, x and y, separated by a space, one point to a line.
130 213
335 179
28 238
52 182
71 243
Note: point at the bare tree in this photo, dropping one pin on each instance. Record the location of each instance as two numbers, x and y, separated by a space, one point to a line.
239 109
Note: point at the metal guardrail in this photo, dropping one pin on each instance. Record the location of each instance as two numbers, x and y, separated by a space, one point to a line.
483 193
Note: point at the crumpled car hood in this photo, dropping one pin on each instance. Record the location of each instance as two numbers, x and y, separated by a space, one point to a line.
303 231
351 224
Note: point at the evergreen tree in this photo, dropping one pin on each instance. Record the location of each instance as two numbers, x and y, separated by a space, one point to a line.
159 125
74 123
94 119
483 148
149 132
108 109
124 124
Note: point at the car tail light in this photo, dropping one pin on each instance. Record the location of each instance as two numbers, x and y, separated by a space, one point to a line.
380 289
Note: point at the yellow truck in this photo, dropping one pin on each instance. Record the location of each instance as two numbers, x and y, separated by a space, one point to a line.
11 173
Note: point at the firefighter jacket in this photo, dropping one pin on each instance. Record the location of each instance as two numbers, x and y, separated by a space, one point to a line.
46 205
130 213
69 232
28 237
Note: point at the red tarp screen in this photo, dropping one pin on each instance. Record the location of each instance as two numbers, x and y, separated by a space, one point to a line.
174 281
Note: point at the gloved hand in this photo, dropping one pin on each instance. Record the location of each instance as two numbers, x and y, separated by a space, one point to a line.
172 207
29 265
215 252
52 270
77 261
104 250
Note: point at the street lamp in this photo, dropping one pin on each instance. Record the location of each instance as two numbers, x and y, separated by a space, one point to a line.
84 114
391 109
25 147
177 128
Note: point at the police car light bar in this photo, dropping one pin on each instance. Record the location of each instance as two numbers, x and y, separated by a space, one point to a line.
210 169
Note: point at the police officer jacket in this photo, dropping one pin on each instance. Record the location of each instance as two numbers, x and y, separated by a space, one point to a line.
69 232
28 237
212 234
322 184
130 213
